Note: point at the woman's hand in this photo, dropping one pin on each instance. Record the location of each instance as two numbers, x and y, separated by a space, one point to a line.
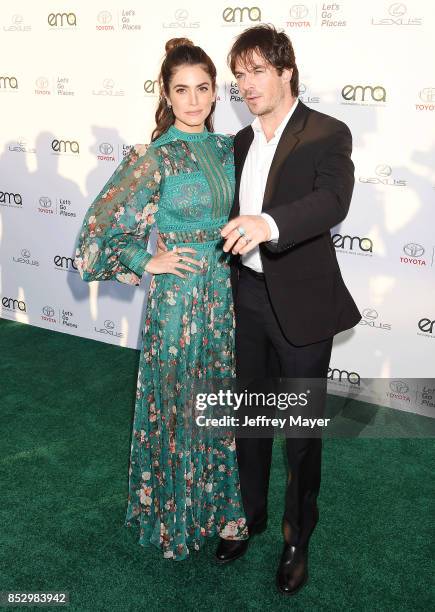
170 262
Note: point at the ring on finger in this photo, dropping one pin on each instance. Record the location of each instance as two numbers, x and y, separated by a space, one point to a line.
241 230
246 237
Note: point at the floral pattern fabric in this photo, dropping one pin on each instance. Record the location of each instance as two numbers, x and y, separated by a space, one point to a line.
183 483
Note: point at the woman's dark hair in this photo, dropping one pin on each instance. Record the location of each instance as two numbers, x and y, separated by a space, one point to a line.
275 48
180 51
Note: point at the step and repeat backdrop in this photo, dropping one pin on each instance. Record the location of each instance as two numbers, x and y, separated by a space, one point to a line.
78 88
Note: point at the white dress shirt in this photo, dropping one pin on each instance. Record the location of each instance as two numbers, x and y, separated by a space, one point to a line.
253 182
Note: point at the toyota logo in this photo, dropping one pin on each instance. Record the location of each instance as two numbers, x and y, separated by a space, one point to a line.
181 14
45 202
397 9
298 11
383 170
109 324
413 250
104 17
427 94
25 253
398 386
42 83
370 313
105 148
48 311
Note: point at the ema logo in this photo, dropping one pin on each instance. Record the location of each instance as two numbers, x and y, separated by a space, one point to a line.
62 20
67 264
413 255
365 95
344 376
151 87
8 83
62 147
238 15
354 245
371 319
427 326
13 305
11 199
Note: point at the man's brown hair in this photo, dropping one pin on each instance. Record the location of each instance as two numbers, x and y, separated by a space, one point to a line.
275 48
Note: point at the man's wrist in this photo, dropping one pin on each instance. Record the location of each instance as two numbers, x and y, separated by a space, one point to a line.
274 231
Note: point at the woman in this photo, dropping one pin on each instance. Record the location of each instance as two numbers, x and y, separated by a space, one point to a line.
183 486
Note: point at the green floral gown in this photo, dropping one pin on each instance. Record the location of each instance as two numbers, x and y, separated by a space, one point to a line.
182 487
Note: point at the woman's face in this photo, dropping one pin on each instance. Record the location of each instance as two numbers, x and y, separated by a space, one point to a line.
191 95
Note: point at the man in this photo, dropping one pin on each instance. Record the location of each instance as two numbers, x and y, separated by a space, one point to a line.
294 182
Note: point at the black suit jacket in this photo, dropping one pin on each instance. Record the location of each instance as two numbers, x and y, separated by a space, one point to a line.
308 191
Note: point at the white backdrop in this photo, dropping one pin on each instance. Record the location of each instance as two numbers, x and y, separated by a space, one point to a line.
77 88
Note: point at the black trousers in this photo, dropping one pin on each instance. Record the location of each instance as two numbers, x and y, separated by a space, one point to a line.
262 351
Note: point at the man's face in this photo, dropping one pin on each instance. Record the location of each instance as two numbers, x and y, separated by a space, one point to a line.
263 89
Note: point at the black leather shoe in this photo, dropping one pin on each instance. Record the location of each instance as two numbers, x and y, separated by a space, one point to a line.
292 572
230 550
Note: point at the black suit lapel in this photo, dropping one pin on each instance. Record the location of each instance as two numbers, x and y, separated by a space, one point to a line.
288 141
241 151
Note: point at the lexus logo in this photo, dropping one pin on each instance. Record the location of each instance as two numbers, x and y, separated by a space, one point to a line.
370 313
25 253
17 19
48 311
397 9
302 88
105 148
298 11
398 386
181 14
383 170
109 324
413 250
108 83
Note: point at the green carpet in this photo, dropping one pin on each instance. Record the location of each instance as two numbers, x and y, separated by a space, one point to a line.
66 413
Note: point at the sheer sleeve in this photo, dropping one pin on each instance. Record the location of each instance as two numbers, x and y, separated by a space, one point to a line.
113 239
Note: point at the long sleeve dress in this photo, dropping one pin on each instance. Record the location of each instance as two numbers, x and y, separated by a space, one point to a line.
182 487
